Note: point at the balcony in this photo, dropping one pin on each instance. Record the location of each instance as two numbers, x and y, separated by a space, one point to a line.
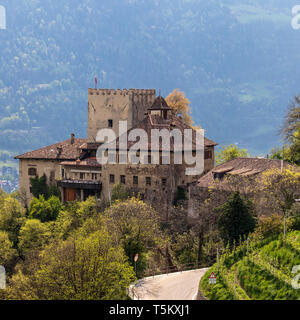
80 184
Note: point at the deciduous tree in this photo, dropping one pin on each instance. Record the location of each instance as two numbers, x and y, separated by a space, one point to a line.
281 188
7 252
181 105
12 217
33 236
230 152
80 268
137 226
44 210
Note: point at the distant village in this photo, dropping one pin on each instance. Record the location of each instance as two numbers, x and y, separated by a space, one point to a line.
9 179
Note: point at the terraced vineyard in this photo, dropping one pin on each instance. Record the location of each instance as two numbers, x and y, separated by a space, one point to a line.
262 271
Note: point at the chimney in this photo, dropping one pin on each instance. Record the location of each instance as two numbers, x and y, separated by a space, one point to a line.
59 150
72 138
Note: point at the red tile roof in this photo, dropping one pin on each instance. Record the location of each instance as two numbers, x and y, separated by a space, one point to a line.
64 150
242 167
157 122
159 104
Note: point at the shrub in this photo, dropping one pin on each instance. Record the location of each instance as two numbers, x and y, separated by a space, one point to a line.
44 210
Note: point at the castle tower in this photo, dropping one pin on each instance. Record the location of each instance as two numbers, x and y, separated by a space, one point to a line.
107 107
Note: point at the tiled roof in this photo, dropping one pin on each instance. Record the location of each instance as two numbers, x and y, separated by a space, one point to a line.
159 103
242 167
88 162
64 150
151 122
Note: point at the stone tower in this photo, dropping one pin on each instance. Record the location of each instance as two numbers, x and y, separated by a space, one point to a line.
107 107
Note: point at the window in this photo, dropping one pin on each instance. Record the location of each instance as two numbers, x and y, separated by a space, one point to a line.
135 180
165 114
52 176
82 175
32 172
63 173
110 123
149 159
122 179
94 176
219 175
164 181
112 178
207 154
30 189
148 181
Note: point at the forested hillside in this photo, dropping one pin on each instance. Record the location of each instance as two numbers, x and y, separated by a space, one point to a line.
237 63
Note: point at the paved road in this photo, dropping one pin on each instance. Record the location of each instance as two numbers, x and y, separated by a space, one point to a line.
175 286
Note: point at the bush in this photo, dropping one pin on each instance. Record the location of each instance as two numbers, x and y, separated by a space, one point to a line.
119 192
44 210
33 235
269 226
7 252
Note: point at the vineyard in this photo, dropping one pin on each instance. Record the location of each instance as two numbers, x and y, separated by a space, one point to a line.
256 270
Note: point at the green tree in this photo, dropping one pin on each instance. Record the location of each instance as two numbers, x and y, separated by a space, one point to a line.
12 217
281 188
44 210
79 269
230 152
119 192
73 215
7 252
292 121
137 226
236 219
33 236
2 192
185 247
291 134
39 186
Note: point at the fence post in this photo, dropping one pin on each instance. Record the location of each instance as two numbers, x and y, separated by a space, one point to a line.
234 288
218 259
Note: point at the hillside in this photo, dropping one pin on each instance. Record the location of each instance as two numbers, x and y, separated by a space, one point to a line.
236 63
262 273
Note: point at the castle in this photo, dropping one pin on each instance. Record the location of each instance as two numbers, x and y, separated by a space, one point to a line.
72 164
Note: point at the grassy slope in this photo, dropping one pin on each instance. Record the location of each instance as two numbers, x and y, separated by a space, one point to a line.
263 273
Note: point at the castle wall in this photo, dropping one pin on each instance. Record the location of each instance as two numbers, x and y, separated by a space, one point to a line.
116 105
50 168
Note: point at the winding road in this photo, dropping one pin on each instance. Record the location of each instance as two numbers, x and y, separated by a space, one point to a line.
174 286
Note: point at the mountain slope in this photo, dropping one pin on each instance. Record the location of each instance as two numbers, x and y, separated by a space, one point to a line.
235 62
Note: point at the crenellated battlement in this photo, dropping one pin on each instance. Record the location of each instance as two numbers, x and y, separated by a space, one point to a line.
108 92
106 107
